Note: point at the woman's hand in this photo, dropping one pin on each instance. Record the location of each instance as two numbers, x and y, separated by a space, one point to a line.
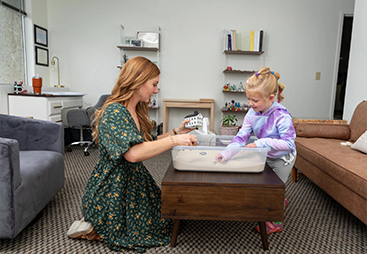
251 145
185 140
182 129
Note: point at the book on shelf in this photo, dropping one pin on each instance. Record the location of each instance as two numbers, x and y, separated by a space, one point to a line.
261 40
252 40
256 40
230 40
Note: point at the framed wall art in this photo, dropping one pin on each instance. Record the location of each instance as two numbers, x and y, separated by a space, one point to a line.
41 56
40 36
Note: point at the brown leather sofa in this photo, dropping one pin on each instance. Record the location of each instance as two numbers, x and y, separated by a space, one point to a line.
339 170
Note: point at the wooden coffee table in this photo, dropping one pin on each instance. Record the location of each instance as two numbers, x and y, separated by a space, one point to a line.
222 196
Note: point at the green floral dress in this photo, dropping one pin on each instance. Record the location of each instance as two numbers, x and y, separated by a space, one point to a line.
122 200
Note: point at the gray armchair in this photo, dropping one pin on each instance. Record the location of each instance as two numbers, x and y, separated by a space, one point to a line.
83 118
31 170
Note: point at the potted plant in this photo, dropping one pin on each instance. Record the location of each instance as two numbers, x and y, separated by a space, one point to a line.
228 127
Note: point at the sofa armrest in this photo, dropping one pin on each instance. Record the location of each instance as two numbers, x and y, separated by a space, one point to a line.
33 134
9 181
323 130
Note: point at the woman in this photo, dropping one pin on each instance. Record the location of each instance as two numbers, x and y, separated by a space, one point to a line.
122 202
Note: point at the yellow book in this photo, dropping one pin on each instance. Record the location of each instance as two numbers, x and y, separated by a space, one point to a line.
252 40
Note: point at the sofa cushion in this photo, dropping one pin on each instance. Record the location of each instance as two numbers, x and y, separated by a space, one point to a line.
358 123
342 163
335 131
361 143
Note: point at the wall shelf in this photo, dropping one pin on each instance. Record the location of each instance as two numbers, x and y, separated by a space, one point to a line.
241 52
239 72
234 91
138 48
240 111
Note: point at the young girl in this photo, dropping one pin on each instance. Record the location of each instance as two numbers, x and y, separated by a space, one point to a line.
272 125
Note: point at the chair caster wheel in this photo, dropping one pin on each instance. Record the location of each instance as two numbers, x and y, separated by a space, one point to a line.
86 153
68 149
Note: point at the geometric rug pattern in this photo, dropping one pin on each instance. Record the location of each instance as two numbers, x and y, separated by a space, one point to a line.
313 221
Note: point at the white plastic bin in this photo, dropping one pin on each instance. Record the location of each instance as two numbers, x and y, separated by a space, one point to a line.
202 157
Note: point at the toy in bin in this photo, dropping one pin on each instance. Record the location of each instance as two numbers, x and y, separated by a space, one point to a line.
196 120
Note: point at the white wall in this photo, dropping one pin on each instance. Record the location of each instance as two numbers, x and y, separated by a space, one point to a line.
357 75
300 39
36 15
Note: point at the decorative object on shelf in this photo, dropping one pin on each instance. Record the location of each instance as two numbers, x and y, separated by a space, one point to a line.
37 84
154 123
137 43
241 88
228 126
18 87
232 87
125 57
196 120
226 87
153 104
229 68
150 39
235 106
127 41
40 36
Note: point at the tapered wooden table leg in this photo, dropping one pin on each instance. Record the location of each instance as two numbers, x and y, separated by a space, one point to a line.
176 228
264 235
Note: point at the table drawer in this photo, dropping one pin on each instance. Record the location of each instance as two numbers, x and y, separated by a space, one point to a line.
55 118
54 107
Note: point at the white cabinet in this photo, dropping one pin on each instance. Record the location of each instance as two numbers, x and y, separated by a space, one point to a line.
49 108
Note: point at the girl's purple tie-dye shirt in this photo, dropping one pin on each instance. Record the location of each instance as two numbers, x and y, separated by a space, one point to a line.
274 129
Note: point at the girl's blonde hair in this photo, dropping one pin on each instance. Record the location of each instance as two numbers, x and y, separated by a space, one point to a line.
133 74
265 83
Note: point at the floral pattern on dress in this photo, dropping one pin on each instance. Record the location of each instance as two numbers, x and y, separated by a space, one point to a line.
121 199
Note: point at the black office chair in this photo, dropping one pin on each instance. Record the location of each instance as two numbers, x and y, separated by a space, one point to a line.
82 119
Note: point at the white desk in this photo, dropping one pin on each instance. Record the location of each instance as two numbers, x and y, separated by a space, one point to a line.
47 107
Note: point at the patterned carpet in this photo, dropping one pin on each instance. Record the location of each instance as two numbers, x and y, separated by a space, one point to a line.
313 223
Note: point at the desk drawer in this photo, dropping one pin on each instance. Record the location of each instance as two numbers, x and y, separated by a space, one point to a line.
54 107
55 118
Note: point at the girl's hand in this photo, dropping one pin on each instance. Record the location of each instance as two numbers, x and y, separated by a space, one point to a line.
185 140
182 129
251 145
220 158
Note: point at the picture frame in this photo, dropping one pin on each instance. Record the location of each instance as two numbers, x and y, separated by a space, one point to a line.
40 36
41 56
137 43
127 41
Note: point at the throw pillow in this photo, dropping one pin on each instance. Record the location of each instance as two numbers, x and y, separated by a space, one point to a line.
361 143
336 131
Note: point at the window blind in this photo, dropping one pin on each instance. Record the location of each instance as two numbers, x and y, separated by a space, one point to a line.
15 5
12 51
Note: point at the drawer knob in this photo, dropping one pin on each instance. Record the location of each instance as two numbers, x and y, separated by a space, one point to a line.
58 106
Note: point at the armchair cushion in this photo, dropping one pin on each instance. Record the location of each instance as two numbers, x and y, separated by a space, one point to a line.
336 131
33 134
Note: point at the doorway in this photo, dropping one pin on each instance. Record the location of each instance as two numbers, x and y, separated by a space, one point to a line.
343 67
